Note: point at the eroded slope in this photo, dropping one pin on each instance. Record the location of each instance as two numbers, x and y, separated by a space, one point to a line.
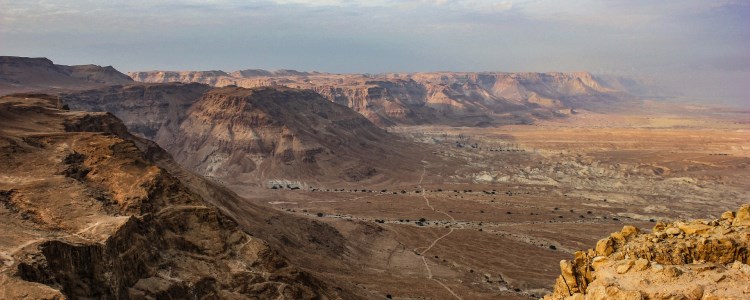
86 214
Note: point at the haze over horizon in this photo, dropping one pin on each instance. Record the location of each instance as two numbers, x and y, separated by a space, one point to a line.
699 49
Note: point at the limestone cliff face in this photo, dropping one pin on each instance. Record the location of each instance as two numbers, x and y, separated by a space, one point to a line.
85 213
25 74
242 134
423 98
702 259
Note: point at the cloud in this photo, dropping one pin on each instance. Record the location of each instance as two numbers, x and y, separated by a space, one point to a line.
618 13
638 36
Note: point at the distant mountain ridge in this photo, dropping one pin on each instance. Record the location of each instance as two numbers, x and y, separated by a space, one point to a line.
25 74
458 98
285 133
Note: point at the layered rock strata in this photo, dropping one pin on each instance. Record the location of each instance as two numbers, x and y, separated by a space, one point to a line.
86 214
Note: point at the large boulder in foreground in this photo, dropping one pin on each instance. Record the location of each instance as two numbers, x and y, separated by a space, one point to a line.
702 259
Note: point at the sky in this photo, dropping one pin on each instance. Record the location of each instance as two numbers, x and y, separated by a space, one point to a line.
698 49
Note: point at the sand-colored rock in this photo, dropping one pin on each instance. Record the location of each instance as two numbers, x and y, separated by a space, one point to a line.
694 228
702 259
742 217
604 247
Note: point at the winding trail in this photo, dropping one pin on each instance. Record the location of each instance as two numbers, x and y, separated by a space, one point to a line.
424 260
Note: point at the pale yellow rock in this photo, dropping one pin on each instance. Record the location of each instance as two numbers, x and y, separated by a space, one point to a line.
694 228
736 265
628 231
699 259
742 218
604 247
599 261
617 237
641 264
659 226
612 293
566 270
624 268
576 296
727 215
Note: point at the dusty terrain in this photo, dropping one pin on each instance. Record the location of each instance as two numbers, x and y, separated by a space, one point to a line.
352 210
502 206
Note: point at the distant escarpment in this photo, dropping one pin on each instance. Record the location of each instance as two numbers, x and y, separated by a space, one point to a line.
702 259
258 135
240 134
86 213
458 98
24 74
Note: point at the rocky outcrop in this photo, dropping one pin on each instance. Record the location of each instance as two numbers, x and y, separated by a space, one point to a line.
422 98
242 135
85 213
702 259
24 74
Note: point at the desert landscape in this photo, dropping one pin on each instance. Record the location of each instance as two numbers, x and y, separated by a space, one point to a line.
407 211
546 191
411 150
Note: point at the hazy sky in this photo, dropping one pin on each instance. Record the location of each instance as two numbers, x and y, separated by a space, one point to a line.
699 47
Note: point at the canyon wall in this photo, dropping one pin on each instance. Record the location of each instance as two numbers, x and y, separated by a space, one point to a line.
458 98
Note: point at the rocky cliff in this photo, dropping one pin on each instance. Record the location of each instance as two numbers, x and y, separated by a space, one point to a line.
153 111
459 98
243 135
87 214
702 259
258 135
24 74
